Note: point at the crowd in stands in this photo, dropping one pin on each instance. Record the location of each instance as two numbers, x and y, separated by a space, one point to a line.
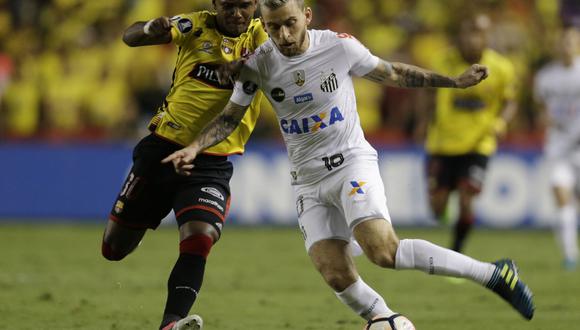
66 75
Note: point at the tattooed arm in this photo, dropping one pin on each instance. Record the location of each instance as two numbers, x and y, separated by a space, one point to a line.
409 76
216 131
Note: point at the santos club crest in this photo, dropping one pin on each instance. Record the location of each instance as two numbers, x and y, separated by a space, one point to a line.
329 82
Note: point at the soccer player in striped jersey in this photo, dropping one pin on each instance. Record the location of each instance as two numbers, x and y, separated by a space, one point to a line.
207 42
307 76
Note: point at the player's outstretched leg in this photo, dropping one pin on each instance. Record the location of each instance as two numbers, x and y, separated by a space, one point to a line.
506 282
381 245
191 322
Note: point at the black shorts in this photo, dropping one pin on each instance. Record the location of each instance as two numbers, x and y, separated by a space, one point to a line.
450 172
152 189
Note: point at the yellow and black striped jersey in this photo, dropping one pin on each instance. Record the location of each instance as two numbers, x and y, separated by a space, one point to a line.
464 118
196 97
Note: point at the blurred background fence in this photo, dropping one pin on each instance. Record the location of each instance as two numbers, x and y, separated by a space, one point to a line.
74 99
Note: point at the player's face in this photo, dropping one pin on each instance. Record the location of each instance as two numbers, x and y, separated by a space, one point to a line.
234 16
287 26
569 44
472 41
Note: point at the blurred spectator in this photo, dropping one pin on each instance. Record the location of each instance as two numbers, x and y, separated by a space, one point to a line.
81 82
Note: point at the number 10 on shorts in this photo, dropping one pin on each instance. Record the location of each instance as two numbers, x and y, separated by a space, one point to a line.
333 161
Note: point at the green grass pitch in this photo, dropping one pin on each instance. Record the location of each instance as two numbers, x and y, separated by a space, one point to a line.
53 277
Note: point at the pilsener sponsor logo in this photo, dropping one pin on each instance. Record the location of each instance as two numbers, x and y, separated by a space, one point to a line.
207 73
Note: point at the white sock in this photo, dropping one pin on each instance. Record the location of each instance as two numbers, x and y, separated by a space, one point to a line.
363 300
435 260
566 230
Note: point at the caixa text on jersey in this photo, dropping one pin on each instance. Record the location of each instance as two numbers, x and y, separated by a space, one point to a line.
313 123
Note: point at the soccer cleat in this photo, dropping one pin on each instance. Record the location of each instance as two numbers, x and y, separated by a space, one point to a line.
192 322
569 265
506 283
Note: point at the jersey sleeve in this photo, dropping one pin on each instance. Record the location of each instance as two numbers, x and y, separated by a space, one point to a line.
247 83
260 36
360 59
510 82
182 28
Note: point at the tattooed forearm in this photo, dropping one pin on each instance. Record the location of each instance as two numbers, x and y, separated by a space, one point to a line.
405 75
382 73
413 77
221 126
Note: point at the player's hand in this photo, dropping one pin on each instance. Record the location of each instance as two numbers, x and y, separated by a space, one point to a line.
157 27
228 72
472 76
182 160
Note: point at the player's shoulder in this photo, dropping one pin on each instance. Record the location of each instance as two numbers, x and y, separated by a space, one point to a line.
329 36
547 71
255 26
494 57
548 67
260 56
191 21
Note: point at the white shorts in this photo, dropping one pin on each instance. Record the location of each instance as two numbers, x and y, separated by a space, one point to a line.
565 174
332 207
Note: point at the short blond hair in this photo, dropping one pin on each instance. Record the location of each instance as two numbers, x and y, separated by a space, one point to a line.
275 4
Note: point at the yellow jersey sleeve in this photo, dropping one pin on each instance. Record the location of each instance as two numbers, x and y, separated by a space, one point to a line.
182 28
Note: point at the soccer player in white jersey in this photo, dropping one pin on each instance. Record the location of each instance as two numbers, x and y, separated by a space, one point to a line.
307 75
557 90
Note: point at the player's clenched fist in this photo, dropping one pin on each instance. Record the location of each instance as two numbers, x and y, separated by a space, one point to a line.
472 76
157 27
182 160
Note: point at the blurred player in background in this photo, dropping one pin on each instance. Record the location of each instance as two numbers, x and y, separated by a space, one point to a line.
200 201
462 132
307 76
557 91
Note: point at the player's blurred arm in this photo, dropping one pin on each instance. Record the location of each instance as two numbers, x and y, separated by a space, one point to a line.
216 131
410 76
508 112
156 31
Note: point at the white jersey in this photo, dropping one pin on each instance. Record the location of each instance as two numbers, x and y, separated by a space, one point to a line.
314 99
558 87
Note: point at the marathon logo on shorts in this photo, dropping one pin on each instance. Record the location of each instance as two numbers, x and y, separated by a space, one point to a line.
213 191
313 123
329 83
207 74
210 202
357 188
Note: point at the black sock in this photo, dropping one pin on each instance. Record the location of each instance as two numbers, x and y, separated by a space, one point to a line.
183 287
462 229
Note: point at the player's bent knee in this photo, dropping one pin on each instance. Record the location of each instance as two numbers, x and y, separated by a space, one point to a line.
384 258
111 254
196 244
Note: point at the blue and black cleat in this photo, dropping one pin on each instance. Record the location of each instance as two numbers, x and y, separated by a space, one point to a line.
506 283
